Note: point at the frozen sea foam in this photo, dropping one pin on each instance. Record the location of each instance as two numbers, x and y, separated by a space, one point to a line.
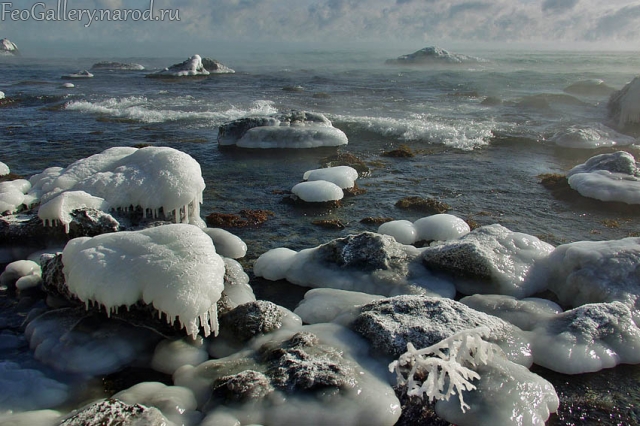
175 268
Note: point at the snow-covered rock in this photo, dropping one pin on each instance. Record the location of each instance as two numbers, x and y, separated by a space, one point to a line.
438 227
117 66
624 105
591 136
433 55
191 67
317 191
343 176
8 48
78 75
216 67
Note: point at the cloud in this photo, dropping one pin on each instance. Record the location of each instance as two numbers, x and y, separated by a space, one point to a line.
624 23
559 5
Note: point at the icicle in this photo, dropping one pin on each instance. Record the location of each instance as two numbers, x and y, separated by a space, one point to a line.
204 322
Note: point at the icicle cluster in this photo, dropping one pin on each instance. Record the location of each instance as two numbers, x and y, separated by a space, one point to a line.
430 369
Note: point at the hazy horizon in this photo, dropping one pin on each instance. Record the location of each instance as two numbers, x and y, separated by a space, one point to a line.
51 28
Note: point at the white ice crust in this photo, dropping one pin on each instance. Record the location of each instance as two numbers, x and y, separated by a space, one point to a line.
606 186
4 169
191 67
13 195
227 244
318 191
343 176
174 267
170 355
1 97
438 227
402 230
523 313
591 136
23 273
309 136
153 178
328 304
59 208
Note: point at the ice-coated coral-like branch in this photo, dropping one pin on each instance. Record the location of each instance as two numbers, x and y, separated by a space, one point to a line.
448 361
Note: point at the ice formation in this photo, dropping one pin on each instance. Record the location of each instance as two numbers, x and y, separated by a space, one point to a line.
343 176
8 48
26 389
587 339
176 403
2 97
23 274
607 177
322 371
490 259
296 129
368 262
227 244
173 267
591 136
318 191
625 104
79 75
31 418
328 304
13 195
438 227
170 355
153 178
4 169
443 363
237 290
523 313
189 68
593 272
59 208
433 55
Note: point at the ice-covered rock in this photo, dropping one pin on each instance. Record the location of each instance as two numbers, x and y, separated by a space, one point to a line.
237 290
216 67
227 244
172 354
438 227
8 48
296 129
175 268
114 412
323 371
368 262
587 272
343 176
317 191
523 313
390 324
177 404
22 274
59 208
489 259
13 195
78 75
68 85
117 66
189 68
591 136
434 55
328 304
607 177
587 339
624 105
153 178
2 97
25 389
71 341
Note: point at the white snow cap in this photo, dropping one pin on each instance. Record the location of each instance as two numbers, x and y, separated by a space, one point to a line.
4 169
23 273
1 95
174 267
268 137
13 195
343 176
191 67
439 227
318 191
227 244
153 178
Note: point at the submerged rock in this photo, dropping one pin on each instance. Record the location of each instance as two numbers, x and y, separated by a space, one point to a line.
423 205
594 87
433 55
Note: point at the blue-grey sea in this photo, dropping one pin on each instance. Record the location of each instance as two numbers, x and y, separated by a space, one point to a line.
483 160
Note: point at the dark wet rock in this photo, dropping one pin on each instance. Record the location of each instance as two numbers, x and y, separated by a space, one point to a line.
346 159
114 412
416 411
389 324
116 66
329 223
53 281
375 220
321 95
293 89
423 205
244 386
300 363
589 88
244 219
216 67
250 319
491 101
403 151
433 55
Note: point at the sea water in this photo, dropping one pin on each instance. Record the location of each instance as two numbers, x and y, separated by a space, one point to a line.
483 160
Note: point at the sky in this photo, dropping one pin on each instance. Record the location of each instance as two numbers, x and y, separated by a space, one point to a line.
38 29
